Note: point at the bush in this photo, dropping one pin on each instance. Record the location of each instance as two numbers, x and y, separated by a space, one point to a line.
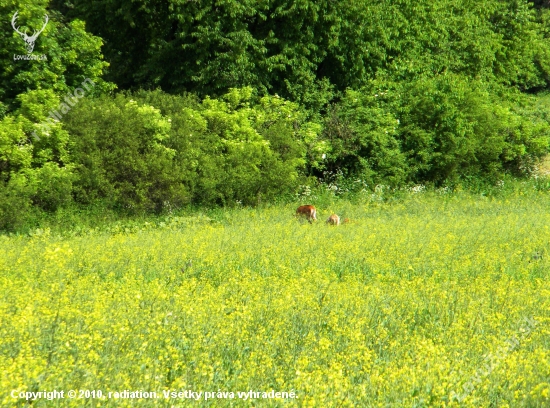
120 156
164 151
256 151
15 203
29 174
453 127
434 130
363 139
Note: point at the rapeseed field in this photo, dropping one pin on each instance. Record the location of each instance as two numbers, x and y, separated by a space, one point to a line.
428 301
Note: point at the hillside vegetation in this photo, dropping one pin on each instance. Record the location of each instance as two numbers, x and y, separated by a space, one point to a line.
201 103
152 157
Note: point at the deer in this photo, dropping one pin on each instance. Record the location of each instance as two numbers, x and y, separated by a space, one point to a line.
333 220
307 211
28 39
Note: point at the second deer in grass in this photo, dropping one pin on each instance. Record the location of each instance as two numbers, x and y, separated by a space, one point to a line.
333 220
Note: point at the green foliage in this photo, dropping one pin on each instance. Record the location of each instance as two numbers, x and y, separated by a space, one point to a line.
308 51
118 151
32 174
434 130
363 137
256 150
208 47
15 154
496 41
48 136
15 159
52 186
388 92
15 202
447 123
218 151
72 53
51 171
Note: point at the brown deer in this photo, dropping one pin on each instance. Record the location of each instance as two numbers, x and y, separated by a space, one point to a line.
307 211
333 220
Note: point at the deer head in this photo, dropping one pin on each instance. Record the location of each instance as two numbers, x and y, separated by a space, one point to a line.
29 39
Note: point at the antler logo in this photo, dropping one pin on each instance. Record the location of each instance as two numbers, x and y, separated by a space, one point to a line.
30 40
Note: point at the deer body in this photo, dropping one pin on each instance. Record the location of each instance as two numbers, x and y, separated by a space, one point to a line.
333 220
307 211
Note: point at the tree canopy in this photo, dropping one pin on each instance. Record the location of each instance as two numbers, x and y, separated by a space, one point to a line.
305 50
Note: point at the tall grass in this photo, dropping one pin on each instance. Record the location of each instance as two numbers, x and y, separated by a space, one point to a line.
398 308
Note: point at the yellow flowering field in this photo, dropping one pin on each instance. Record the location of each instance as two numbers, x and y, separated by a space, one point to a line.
429 301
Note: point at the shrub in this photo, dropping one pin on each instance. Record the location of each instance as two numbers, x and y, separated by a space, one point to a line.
363 137
180 150
29 175
434 130
15 203
119 154
454 127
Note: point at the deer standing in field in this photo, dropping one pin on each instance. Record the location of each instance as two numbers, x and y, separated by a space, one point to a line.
333 220
307 211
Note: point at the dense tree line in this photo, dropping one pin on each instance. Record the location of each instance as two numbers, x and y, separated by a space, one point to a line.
303 49
217 102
